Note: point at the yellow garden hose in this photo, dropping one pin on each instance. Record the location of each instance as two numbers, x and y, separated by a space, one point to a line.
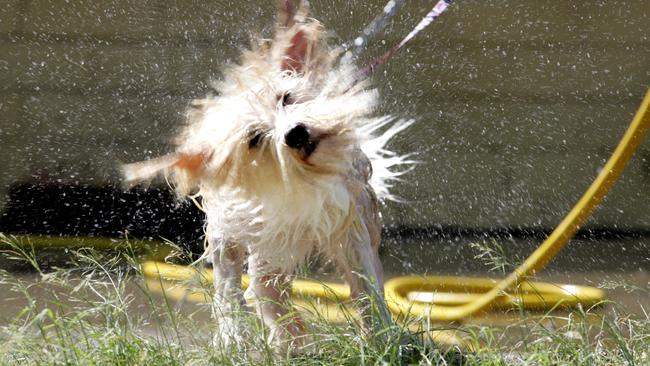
427 290
397 298
149 249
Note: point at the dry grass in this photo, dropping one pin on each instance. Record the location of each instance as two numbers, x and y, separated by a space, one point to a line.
98 310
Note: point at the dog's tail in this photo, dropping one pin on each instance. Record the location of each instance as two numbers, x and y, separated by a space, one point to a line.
145 170
186 165
387 165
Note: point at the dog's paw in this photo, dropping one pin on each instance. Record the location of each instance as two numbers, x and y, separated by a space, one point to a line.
294 341
231 333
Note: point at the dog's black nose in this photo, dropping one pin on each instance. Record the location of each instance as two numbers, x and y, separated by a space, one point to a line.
297 137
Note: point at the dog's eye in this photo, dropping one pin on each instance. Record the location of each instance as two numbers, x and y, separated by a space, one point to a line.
287 99
256 138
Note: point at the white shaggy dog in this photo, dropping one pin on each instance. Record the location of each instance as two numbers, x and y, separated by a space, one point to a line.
289 162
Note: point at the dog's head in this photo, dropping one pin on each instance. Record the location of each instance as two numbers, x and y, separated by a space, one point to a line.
286 115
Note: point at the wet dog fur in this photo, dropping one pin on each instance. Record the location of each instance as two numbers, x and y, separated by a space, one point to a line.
289 160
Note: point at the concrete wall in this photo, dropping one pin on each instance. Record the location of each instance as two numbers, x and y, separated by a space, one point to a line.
518 103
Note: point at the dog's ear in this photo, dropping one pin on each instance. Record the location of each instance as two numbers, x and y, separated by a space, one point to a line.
286 13
190 164
298 36
290 12
296 55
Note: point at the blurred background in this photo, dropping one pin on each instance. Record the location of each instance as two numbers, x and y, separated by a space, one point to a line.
518 105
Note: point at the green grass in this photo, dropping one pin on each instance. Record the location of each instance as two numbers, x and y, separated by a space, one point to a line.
97 309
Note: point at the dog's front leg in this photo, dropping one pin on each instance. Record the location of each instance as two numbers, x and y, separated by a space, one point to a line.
270 293
227 261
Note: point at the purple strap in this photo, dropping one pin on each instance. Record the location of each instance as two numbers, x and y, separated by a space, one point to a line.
440 7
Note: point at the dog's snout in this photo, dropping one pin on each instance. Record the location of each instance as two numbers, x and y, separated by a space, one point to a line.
297 137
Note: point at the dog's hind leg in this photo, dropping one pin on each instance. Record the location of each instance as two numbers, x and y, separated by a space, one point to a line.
361 266
270 293
365 277
228 262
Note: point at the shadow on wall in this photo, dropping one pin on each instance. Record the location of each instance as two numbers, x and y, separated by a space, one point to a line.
108 211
